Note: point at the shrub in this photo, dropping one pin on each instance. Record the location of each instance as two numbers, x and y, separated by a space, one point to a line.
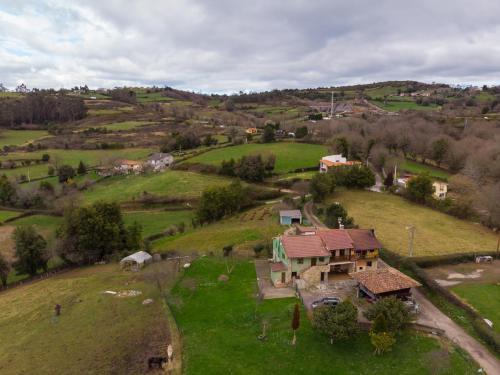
394 311
258 249
337 323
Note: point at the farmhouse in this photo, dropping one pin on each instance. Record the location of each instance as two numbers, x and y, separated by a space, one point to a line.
136 260
289 217
128 166
327 253
384 282
159 161
334 161
440 189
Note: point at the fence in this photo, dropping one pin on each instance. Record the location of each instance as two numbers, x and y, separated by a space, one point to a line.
415 265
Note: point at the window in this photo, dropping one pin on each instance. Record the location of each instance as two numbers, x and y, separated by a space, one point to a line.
369 263
342 252
294 275
300 260
321 259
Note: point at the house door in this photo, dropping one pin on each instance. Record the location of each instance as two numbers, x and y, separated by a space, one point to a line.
313 262
323 276
283 277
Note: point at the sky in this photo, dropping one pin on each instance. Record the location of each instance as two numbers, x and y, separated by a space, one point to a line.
226 46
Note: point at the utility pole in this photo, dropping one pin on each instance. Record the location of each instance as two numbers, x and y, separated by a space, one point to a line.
331 107
411 232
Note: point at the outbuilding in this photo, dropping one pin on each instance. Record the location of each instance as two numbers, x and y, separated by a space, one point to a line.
289 217
384 282
136 261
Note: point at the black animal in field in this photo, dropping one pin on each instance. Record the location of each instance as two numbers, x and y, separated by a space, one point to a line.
158 362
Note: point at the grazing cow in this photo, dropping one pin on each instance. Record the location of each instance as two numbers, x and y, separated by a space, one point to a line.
159 362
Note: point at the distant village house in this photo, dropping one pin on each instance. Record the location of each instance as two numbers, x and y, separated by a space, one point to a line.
159 161
332 161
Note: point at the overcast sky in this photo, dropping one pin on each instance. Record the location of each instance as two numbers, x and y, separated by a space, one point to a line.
227 46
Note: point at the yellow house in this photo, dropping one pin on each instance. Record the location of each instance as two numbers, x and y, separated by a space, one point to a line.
440 189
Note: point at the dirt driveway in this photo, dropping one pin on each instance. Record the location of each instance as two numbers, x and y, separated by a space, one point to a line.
430 315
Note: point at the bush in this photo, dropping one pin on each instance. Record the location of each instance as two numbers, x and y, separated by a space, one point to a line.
356 177
321 185
334 212
394 311
258 249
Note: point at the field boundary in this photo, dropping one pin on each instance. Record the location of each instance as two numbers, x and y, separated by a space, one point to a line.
39 277
486 333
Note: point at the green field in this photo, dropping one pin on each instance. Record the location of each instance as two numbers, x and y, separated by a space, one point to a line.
242 231
418 168
220 322
71 157
154 222
398 105
41 222
4 215
483 297
95 333
436 233
170 183
125 125
144 97
289 155
20 137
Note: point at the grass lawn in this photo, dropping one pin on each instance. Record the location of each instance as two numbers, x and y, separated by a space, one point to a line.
153 222
71 157
220 322
4 215
485 298
20 137
436 233
289 155
96 333
417 168
243 231
170 183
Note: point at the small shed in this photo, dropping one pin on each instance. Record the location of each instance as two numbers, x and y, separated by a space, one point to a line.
136 261
384 282
289 217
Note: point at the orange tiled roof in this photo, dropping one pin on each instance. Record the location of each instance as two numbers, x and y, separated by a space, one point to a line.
329 163
304 246
384 280
336 239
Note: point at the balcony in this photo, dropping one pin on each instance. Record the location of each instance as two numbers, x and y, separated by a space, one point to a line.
340 258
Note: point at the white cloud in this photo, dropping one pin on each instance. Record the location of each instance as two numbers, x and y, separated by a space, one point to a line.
227 46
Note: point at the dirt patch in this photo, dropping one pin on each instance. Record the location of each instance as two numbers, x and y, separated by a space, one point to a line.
6 242
450 275
447 283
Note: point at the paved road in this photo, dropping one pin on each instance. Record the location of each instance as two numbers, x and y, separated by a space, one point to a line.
430 315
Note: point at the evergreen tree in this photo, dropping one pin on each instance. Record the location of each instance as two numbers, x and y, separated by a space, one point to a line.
82 169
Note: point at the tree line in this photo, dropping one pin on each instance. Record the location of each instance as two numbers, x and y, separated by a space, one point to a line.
40 107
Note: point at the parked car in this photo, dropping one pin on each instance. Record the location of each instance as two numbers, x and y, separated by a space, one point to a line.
326 301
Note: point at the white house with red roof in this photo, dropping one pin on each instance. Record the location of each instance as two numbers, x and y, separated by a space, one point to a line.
332 161
318 256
